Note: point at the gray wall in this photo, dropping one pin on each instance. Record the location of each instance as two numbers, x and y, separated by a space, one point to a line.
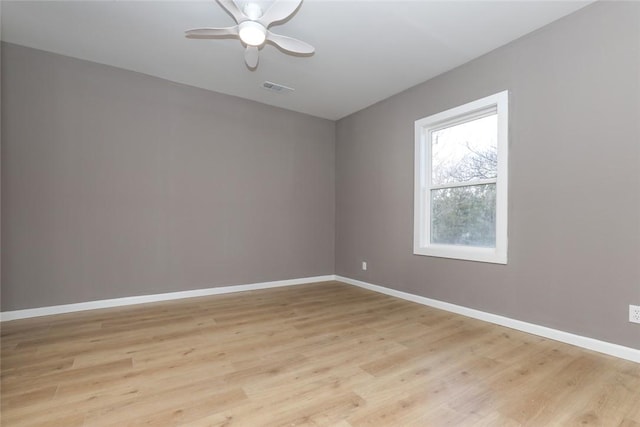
116 184
574 189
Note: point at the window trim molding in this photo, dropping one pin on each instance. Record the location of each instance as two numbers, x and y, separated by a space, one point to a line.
499 103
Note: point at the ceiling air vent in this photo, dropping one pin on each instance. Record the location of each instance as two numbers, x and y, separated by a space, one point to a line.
275 87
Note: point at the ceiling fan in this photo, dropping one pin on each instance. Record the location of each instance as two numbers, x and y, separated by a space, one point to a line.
253 28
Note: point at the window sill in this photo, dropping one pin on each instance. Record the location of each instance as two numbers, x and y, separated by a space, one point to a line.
490 255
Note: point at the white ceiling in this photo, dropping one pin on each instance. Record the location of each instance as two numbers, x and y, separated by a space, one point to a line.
366 50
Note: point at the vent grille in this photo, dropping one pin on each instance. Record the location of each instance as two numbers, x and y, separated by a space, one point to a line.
275 87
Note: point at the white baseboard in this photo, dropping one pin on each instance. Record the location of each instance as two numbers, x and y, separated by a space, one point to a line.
616 350
118 302
543 331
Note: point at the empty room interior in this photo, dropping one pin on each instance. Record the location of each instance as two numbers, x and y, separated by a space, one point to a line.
320 213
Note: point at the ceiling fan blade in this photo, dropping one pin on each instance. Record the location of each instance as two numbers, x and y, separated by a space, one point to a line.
233 9
251 56
290 44
211 33
279 11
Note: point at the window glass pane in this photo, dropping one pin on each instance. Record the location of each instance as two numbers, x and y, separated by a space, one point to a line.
464 216
465 152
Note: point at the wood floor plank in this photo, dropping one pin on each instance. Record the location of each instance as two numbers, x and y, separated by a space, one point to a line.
324 354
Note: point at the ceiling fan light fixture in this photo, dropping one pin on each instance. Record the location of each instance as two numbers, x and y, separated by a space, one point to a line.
252 28
252 33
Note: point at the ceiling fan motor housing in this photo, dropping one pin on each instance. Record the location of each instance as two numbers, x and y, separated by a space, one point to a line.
253 11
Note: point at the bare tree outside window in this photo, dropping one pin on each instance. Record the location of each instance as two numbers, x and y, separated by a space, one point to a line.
464 157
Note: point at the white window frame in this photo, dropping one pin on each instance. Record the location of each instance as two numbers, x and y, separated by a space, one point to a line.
424 128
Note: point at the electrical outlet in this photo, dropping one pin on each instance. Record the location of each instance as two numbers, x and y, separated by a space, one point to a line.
364 265
634 313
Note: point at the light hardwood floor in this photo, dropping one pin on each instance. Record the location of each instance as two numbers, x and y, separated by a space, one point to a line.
321 354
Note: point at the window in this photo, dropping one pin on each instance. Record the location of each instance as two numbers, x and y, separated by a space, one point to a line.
460 193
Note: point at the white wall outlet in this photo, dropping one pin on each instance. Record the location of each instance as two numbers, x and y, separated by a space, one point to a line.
364 265
634 313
